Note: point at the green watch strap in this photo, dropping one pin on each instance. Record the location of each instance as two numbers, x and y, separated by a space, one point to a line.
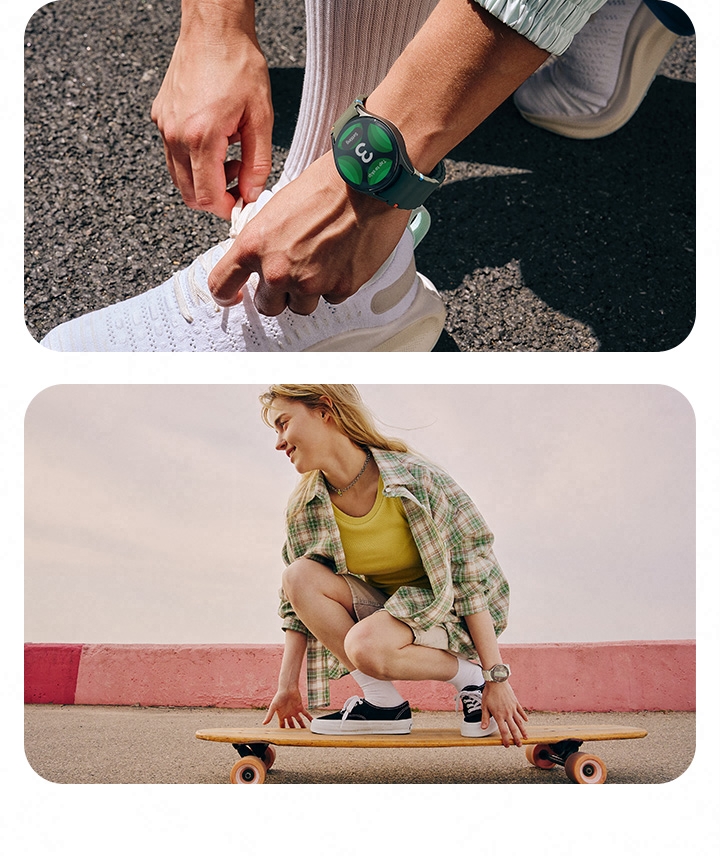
411 188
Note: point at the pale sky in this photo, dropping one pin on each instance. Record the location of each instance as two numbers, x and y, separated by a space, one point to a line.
154 514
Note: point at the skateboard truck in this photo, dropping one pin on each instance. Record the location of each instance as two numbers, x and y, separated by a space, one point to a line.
581 768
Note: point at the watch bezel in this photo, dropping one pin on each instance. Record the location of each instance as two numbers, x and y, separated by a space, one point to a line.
505 670
397 155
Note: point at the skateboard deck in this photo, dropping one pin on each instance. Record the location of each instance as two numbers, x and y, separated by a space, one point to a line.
546 746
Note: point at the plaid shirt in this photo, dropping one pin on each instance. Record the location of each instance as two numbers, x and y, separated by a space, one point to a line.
454 543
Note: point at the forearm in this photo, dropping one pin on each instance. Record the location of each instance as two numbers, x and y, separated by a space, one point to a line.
483 635
461 66
292 660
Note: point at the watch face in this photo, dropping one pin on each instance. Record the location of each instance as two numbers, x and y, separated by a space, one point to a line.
500 672
366 154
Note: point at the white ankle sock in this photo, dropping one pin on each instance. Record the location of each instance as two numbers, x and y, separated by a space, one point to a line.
379 693
350 49
468 675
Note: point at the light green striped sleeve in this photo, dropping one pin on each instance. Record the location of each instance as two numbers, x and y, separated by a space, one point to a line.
549 24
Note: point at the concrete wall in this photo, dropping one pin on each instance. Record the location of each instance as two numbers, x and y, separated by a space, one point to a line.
619 676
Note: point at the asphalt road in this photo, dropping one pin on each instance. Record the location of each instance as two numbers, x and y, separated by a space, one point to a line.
89 745
539 243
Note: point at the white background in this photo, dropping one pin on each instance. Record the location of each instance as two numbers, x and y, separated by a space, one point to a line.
677 817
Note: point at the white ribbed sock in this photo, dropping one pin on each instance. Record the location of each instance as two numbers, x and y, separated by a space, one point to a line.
350 49
379 693
468 675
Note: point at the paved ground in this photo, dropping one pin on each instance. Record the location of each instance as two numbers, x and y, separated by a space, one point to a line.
539 243
157 745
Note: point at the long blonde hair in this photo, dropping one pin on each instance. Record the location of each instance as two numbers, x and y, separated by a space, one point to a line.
343 402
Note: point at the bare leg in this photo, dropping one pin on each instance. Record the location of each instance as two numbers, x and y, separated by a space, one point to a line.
323 602
383 647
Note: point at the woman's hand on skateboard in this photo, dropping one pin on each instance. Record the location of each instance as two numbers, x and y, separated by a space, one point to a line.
499 701
290 710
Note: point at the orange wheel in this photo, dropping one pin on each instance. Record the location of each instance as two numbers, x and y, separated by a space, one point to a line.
248 771
536 753
269 756
585 769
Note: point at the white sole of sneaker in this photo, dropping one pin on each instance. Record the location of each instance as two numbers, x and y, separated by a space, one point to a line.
646 44
472 729
402 726
417 330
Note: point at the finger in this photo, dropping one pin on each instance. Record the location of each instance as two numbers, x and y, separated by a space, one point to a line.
256 142
520 722
515 733
302 304
170 163
227 279
505 734
269 300
269 715
208 175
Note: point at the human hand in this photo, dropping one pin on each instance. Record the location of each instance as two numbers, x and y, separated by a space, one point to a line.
290 710
499 701
216 91
315 237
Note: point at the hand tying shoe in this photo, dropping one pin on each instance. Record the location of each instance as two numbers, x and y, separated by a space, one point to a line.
397 310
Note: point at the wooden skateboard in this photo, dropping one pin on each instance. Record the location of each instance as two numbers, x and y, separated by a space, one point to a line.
546 746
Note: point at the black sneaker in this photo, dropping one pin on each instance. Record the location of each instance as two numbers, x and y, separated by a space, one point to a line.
471 698
359 716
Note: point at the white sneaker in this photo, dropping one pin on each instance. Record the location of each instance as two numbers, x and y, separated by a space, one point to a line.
397 310
596 86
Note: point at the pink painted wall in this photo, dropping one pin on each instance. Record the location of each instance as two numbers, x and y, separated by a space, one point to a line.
620 676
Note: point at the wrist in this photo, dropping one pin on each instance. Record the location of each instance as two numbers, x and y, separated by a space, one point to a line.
217 20
360 206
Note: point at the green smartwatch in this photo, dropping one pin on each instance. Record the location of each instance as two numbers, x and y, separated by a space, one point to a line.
371 157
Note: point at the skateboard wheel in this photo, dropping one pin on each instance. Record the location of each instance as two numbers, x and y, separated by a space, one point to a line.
248 771
585 769
537 755
269 756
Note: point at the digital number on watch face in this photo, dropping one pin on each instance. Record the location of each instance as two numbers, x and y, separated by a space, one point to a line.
366 154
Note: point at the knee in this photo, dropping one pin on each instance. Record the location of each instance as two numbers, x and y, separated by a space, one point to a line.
366 651
299 577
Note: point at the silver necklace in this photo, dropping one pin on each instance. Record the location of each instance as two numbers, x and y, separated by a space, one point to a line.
341 491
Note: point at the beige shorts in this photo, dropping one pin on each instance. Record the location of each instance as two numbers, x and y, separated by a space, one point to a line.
367 600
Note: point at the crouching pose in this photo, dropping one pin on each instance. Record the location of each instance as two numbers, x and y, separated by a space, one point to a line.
390 575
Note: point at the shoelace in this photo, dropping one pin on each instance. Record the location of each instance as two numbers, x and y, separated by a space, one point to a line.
471 699
198 294
350 705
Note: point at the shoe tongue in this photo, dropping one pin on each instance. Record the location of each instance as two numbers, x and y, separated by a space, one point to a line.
241 213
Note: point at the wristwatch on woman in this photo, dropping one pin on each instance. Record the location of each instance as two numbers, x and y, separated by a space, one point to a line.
497 674
371 157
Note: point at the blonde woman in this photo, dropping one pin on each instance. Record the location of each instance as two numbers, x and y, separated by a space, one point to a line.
390 575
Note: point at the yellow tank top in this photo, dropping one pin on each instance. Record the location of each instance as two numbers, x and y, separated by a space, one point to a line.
380 546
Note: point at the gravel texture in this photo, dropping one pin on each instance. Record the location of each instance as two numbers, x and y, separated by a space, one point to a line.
539 243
